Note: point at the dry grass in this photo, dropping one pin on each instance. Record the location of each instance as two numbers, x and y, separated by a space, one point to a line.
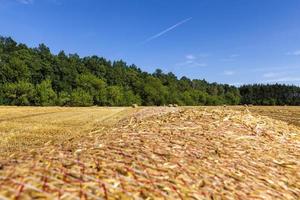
163 153
22 128
285 113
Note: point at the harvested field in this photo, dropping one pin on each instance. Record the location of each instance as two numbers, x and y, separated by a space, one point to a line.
289 114
162 153
24 127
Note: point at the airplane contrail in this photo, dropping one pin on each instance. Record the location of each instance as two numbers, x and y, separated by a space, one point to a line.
166 30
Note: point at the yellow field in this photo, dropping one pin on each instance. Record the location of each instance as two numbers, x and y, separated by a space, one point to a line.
285 113
149 153
26 127
38 125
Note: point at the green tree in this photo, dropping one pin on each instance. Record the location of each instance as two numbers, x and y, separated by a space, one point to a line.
20 93
187 99
79 97
94 80
95 86
45 95
232 99
63 99
115 96
155 93
214 100
130 98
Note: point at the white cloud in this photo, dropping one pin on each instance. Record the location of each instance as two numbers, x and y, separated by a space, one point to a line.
272 74
281 75
193 56
190 57
294 53
283 79
229 72
192 63
266 69
237 84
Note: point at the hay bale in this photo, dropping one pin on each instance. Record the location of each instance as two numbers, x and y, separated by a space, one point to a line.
175 105
170 105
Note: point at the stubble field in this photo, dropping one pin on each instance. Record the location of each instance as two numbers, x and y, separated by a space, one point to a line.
22 128
150 153
289 114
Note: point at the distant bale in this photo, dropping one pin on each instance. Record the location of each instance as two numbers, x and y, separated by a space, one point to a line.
175 105
170 105
224 105
134 105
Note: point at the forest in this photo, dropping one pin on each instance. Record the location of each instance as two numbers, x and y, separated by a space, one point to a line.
37 77
275 94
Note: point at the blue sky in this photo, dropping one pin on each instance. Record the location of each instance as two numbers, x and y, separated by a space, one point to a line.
227 41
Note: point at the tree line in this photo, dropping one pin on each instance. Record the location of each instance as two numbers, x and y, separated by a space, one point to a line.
35 76
275 94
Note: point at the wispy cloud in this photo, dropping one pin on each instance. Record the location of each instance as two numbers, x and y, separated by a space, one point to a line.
294 53
191 61
281 76
237 84
166 30
283 79
272 69
229 72
190 57
25 1
196 56
272 74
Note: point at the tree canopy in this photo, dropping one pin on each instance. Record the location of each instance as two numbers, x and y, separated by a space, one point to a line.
35 76
276 94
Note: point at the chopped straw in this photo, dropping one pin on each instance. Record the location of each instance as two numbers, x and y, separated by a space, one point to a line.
164 153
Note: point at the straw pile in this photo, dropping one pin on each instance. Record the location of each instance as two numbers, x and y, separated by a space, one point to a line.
179 154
